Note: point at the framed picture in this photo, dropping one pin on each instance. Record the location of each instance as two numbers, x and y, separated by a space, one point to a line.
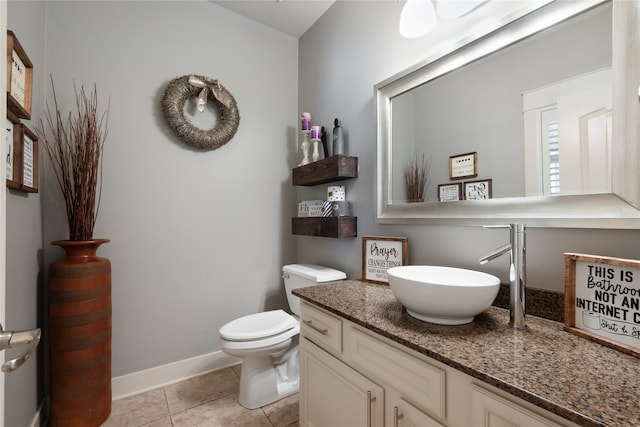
13 158
463 166
380 254
29 151
22 156
601 301
450 192
478 190
19 78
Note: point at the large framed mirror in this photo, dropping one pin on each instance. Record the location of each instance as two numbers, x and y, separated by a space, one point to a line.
536 104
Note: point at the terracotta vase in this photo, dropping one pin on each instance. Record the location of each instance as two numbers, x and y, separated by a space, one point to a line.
80 335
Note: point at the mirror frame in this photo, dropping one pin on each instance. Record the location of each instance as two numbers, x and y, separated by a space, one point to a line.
609 210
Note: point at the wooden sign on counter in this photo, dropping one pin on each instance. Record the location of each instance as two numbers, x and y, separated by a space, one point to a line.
381 253
602 300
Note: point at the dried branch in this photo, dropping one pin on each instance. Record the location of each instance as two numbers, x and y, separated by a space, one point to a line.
416 177
74 146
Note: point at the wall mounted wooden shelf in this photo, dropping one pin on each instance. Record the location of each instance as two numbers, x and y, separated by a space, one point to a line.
335 168
331 169
333 226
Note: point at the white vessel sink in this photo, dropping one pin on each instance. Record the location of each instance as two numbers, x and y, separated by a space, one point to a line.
443 295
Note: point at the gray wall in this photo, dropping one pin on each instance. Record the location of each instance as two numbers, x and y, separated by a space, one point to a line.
24 275
197 238
353 47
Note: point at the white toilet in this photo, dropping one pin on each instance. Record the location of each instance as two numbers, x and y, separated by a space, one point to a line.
267 342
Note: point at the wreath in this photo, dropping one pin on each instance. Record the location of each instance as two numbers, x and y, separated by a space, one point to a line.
175 96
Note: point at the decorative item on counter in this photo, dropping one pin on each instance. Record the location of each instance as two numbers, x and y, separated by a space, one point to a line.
315 139
601 300
325 146
310 208
336 193
338 139
416 177
305 118
380 253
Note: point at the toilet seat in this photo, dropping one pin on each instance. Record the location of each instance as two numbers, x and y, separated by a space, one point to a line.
259 326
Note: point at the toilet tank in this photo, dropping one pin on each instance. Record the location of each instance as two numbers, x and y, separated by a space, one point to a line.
304 275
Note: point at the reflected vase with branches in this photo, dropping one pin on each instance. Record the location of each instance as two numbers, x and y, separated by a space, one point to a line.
416 177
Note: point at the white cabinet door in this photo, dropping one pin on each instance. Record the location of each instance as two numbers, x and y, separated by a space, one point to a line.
334 395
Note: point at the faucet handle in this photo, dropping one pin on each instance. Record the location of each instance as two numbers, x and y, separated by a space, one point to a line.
516 227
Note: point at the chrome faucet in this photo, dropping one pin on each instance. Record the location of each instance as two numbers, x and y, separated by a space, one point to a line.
517 271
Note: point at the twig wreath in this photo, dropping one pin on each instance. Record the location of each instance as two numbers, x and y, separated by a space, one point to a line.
204 88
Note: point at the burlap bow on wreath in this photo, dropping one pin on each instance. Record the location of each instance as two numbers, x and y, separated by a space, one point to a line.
205 88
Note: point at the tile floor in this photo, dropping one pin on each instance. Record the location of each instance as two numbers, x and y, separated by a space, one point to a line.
209 400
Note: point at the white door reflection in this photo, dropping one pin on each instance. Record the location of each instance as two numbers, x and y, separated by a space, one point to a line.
567 129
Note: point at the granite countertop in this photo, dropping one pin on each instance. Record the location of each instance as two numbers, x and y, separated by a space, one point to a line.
580 380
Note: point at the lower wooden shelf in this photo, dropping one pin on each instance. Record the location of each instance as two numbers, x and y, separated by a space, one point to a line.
333 226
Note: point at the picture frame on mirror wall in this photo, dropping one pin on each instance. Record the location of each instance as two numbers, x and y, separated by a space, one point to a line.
380 253
478 190
463 165
451 192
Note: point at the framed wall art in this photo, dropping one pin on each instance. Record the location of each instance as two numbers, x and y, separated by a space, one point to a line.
22 156
29 160
450 192
19 78
380 254
12 144
602 300
478 190
463 166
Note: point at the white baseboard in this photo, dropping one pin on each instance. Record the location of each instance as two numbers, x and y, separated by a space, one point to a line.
160 376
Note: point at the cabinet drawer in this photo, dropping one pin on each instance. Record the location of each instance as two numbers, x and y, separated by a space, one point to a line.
321 327
421 383
490 410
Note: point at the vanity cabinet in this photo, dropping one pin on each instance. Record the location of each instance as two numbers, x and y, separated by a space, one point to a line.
351 376
335 395
331 169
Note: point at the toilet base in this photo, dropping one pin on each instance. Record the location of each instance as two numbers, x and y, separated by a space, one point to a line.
263 382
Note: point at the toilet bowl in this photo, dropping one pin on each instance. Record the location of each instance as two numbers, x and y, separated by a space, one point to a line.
267 342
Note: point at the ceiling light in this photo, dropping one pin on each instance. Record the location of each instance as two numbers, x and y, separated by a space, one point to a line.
418 17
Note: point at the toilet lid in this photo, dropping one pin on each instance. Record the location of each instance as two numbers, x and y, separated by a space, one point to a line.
258 326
